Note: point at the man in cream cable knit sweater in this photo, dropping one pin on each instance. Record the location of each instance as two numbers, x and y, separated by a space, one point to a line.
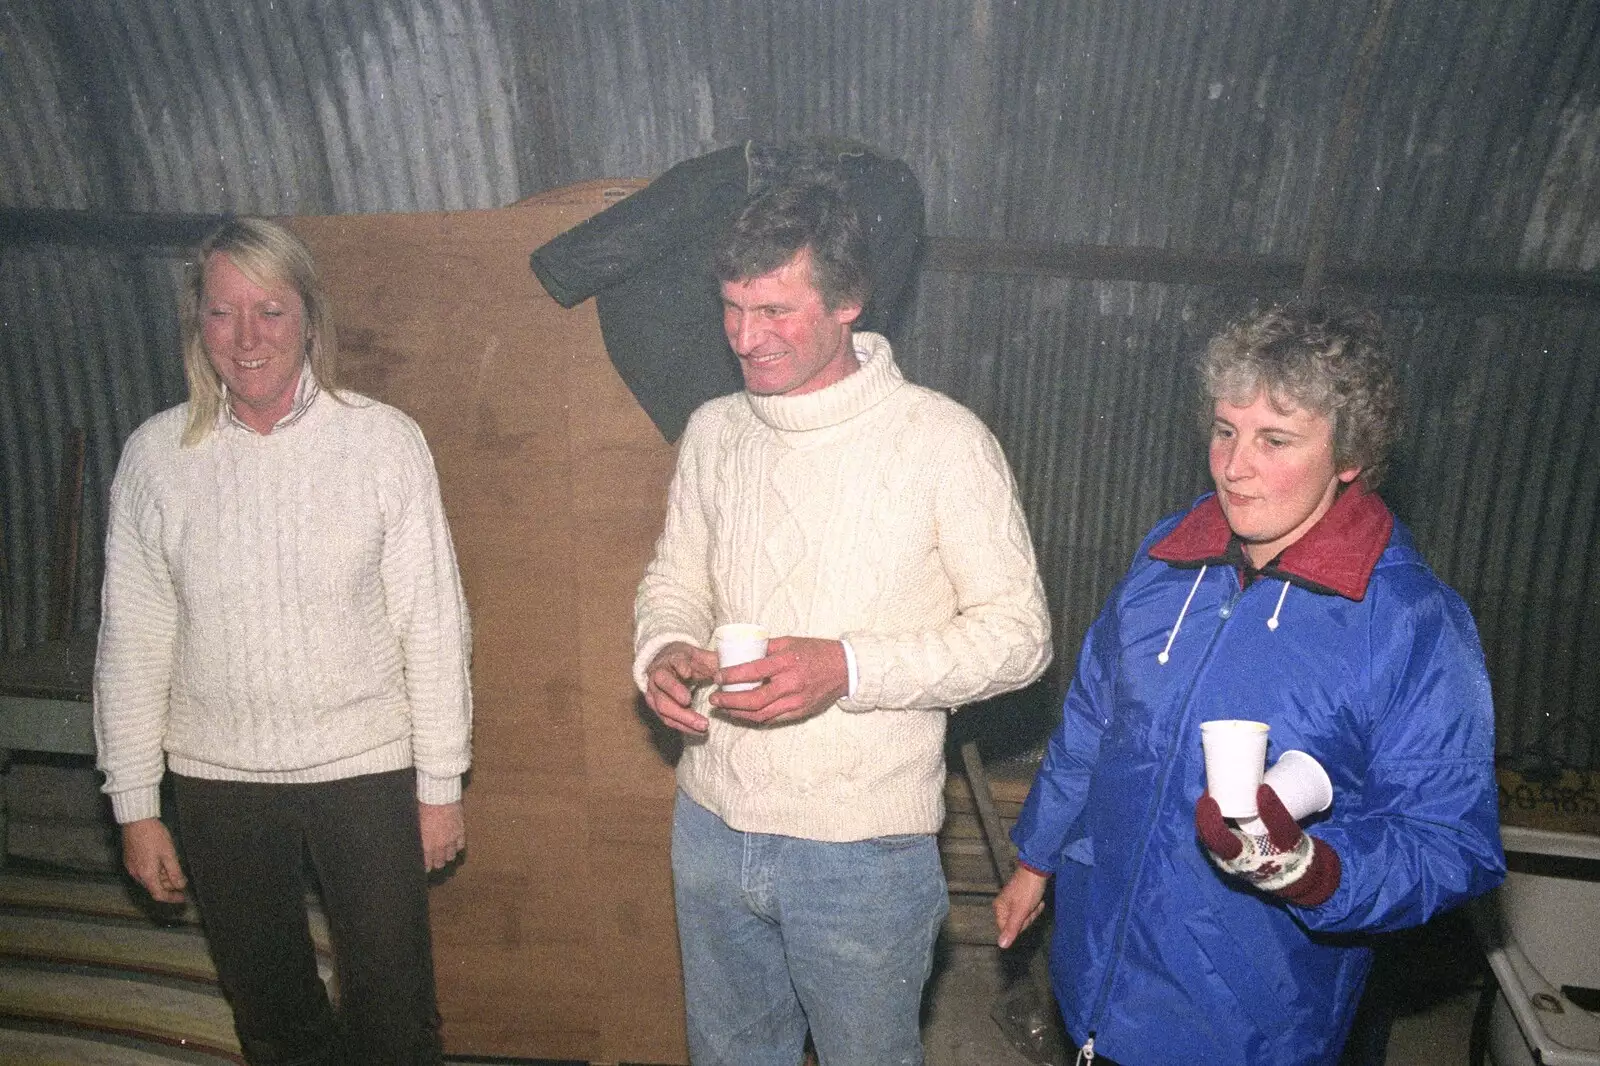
284 631
875 525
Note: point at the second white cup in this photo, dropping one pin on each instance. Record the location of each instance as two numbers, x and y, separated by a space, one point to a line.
1236 758
736 643
1301 783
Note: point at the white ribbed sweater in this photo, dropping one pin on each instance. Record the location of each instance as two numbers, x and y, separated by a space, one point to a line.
281 608
873 510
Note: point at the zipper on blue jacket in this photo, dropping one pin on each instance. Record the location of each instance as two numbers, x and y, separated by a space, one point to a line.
1114 962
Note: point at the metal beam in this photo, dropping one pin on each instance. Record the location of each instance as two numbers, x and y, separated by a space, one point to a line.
116 230
137 232
1104 263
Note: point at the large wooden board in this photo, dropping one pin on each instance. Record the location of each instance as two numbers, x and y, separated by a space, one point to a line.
555 938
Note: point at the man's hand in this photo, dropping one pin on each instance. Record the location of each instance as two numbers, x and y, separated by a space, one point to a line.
802 676
444 833
152 860
676 667
1019 904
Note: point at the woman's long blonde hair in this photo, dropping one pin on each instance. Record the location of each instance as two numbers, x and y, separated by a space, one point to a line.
267 254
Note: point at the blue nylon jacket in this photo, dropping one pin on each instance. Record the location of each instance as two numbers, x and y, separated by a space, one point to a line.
1374 668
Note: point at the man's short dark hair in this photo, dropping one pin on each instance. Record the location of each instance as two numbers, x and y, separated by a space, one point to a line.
776 224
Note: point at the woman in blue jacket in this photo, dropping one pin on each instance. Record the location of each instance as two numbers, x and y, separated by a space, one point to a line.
1289 596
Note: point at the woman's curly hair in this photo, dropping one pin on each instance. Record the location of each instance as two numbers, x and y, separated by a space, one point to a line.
1321 357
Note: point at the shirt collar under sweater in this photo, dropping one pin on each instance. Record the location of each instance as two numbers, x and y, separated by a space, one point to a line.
841 401
305 392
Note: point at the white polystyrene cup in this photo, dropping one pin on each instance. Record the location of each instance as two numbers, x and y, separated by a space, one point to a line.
1301 783
1236 759
736 643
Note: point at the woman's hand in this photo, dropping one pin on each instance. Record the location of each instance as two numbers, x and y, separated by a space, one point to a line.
151 859
1019 904
444 833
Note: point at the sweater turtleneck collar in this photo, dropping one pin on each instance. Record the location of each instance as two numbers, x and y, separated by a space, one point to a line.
841 401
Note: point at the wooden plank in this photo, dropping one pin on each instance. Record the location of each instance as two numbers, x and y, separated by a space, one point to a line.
87 898
79 896
646 987
554 938
123 946
1567 802
971 920
29 723
136 947
170 1014
24 1047
63 593
1009 792
1002 853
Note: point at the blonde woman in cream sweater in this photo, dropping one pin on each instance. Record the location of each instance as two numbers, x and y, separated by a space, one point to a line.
872 527
284 634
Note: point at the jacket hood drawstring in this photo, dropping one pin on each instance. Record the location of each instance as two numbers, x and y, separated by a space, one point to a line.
1272 623
1163 657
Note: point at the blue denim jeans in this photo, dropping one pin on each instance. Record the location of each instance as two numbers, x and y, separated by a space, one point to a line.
781 934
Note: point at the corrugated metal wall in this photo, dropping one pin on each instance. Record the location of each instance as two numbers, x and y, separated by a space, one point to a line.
1498 472
1202 126
79 333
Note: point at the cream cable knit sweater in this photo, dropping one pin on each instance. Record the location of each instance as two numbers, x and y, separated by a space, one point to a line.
281 608
873 510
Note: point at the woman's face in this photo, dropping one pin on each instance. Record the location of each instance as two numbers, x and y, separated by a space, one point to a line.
255 339
1274 472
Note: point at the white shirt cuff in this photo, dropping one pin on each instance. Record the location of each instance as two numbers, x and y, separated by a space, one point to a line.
850 667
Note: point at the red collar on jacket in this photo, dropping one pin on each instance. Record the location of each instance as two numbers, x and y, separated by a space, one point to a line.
1336 555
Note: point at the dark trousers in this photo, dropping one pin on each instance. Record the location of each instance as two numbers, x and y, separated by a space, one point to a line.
244 844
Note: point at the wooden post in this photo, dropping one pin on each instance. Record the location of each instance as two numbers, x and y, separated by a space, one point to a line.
1002 853
64 546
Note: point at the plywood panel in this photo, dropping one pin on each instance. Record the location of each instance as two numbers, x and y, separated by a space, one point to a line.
555 938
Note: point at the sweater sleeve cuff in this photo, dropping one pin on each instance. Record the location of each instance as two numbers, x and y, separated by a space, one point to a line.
1031 868
136 804
864 659
438 790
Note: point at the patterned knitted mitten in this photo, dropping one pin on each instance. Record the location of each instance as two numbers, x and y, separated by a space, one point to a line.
1286 862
